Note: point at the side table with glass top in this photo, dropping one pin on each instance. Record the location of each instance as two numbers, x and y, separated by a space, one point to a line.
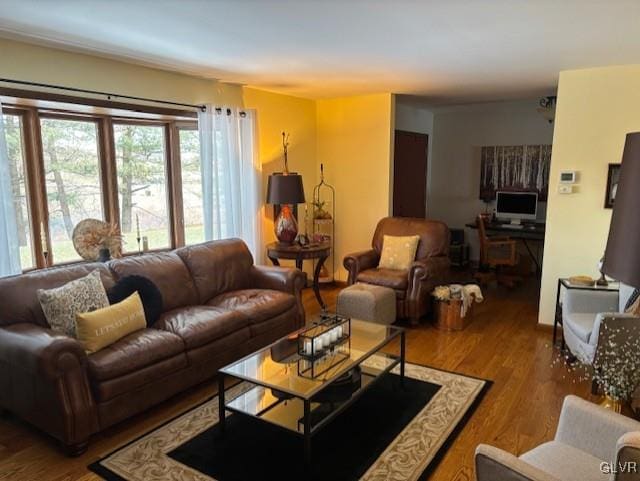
565 283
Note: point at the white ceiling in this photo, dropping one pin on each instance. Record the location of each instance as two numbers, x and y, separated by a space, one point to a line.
447 51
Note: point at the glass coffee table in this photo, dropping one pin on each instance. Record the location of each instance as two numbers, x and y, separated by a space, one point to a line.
301 396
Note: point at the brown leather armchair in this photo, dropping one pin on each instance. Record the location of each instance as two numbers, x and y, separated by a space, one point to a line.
414 285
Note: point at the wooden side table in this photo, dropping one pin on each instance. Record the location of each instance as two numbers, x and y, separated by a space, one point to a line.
277 251
564 283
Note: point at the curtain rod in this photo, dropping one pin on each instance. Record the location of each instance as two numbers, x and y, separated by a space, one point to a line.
107 94
219 111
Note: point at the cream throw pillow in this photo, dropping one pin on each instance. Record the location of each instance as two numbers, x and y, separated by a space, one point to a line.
398 252
103 327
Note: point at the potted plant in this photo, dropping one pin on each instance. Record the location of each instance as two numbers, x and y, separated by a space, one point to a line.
319 211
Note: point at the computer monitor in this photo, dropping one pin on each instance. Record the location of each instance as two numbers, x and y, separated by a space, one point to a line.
516 206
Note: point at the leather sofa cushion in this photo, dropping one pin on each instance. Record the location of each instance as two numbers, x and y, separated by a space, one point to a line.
283 323
18 296
218 266
133 353
200 325
129 383
166 270
258 305
395 279
231 347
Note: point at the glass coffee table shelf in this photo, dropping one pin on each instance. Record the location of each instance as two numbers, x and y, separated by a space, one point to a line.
281 392
289 413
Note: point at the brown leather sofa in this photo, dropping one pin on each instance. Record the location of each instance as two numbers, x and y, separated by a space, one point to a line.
218 307
412 286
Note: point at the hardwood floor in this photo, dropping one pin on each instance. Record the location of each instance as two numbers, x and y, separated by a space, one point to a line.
503 343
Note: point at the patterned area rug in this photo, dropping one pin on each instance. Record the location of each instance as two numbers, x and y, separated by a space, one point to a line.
387 434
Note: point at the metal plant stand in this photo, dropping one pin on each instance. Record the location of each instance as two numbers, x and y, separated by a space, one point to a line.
324 221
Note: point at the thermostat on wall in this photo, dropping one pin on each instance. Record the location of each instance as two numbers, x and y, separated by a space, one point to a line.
568 177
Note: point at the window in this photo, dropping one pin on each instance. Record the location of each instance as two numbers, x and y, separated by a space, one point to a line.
15 150
191 186
121 166
72 176
142 185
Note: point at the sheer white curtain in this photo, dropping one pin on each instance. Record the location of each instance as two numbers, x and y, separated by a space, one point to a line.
231 176
9 241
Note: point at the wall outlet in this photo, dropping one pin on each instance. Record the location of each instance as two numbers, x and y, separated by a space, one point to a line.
565 189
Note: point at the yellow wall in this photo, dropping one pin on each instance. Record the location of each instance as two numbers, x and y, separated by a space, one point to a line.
22 61
297 116
355 140
596 108
352 136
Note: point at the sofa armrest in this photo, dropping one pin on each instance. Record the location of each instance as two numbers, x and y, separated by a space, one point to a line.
39 351
283 279
494 464
43 379
433 268
628 457
591 428
424 276
576 300
360 261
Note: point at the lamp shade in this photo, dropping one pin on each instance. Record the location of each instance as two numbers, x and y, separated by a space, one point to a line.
622 256
285 189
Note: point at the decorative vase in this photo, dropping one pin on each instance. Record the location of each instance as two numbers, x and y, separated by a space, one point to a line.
619 406
104 255
286 226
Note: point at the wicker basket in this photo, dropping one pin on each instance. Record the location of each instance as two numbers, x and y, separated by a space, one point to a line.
448 317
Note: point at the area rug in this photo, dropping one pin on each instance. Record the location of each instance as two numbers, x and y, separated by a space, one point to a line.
388 433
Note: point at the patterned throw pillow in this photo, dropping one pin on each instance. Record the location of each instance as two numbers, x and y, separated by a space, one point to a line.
633 303
398 252
61 304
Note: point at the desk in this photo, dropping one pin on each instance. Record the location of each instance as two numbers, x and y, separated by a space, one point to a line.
529 232
276 251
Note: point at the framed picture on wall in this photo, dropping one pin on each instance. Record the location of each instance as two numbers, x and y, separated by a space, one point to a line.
613 177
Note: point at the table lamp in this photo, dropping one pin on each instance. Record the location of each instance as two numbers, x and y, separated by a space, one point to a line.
285 189
622 255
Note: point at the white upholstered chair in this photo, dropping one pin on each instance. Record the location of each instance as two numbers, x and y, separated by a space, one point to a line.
589 442
583 312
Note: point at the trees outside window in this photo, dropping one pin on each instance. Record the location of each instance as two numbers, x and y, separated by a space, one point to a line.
191 186
67 166
142 184
15 151
72 175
